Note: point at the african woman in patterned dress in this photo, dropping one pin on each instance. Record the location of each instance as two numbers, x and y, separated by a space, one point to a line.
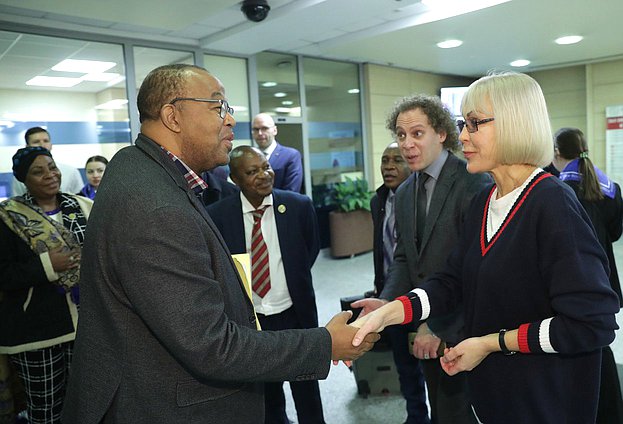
42 233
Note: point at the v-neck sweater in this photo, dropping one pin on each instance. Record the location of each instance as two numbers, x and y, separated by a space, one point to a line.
544 272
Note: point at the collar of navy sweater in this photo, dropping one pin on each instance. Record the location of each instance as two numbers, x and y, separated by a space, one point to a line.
485 245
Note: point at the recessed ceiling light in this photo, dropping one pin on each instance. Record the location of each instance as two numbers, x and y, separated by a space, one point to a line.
269 84
449 44
83 66
287 103
569 39
353 91
519 63
280 94
42 81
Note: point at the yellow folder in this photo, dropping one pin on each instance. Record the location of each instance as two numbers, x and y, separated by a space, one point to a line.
243 266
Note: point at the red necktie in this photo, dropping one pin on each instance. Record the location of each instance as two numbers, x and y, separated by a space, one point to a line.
260 270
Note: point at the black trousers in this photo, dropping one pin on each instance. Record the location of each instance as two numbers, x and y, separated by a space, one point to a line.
409 374
306 394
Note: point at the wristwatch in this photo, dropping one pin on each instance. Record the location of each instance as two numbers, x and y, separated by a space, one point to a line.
503 347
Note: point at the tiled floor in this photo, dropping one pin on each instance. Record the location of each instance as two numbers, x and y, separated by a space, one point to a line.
342 405
333 279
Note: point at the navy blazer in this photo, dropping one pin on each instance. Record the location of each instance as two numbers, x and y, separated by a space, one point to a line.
288 167
217 188
377 208
297 229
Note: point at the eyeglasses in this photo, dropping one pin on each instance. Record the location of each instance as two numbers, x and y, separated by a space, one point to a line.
262 129
225 108
472 124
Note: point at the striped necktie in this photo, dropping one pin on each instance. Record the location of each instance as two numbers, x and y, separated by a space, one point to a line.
260 270
389 240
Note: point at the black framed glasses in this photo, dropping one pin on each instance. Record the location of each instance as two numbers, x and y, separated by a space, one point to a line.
472 124
225 108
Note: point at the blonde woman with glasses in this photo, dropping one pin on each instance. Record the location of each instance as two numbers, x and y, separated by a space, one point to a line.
528 270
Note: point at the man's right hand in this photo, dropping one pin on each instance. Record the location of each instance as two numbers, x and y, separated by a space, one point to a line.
426 343
368 305
342 336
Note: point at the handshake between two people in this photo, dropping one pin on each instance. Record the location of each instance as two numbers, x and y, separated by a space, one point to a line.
351 341
377 314
342 334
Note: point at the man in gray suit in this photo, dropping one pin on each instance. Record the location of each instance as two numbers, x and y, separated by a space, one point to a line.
430 207
167 332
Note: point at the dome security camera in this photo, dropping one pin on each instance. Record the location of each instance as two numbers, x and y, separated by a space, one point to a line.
255 10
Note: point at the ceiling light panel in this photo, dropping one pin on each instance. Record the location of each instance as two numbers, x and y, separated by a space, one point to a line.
83 66
43 81
101 77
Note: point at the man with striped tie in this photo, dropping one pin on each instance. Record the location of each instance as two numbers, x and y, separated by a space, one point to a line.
279 230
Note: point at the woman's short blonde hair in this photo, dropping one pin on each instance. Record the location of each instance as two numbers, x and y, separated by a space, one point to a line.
523 131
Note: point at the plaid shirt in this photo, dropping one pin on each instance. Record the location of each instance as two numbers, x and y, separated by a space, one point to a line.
195 182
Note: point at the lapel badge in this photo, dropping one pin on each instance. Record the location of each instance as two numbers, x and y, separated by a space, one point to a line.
281 208
72 216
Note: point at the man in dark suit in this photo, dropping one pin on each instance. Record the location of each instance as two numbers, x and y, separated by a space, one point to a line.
285 161
395 171
167 333
290 232
430 207
218 187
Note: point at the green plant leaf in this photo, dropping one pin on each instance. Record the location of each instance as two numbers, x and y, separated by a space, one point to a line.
352 195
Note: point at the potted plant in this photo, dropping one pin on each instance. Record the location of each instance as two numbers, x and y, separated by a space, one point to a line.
350 224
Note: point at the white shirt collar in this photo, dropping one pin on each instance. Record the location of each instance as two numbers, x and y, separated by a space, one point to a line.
247 207
270 149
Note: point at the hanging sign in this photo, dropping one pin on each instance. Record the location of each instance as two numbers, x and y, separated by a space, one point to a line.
614 142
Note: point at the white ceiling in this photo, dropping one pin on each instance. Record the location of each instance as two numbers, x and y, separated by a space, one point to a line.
396 32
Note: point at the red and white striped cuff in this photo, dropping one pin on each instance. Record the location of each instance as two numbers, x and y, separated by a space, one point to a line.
422 304
535 337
